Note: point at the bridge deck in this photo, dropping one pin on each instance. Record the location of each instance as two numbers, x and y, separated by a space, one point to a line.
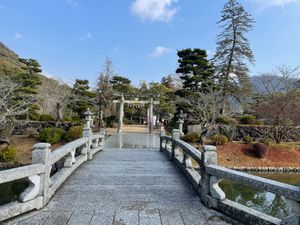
122 187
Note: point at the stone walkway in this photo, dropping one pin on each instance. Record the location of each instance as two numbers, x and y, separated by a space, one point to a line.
125 187
142 129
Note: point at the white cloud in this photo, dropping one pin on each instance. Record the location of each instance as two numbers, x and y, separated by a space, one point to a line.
154 10
160 51
72 3
270 3
87 36
18 36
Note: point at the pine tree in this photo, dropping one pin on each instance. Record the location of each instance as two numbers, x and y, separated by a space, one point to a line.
196 72
233 50
121 84
82 98
29 81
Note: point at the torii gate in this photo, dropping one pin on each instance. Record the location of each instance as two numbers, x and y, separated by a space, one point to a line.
121 103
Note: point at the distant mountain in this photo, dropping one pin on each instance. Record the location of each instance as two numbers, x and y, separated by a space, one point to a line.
10 65
9 61
276 82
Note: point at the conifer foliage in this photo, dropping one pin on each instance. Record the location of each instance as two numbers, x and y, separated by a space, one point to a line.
82 97
29 81
233 52
196 72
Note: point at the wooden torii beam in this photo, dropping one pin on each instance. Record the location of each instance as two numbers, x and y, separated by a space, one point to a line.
121 103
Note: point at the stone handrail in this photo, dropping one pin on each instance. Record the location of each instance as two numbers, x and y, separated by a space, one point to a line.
62 151
285 190
204 174
48 171
20 172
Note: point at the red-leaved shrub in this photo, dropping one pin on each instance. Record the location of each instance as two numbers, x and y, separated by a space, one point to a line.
261 150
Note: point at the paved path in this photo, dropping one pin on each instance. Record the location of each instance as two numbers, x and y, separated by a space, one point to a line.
132 129
125 187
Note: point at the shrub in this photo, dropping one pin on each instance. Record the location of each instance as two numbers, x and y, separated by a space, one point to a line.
248 119
192 137
34 116
75 119
111 120
74 133
67 119
266 141
219 139
168 133
225 120
171 125
259 122
47 117
260 150
51 135
222 120
247 139
8 154
127 121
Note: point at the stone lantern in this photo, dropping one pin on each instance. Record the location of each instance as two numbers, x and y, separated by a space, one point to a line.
87 131
180 122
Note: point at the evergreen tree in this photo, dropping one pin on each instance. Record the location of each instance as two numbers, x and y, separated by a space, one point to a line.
196 72
233 49
31 66
121 84
29 80
82 98
166 107
143 89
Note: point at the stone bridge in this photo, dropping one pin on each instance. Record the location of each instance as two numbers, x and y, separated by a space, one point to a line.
133 179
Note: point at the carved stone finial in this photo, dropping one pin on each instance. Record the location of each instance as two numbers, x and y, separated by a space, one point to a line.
88 118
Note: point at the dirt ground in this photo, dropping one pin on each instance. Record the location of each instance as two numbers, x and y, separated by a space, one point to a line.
241 155
24 146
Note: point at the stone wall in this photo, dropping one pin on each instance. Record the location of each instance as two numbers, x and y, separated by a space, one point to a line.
256 132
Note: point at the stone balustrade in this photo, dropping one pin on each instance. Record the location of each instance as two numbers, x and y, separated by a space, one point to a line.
48 171
204 174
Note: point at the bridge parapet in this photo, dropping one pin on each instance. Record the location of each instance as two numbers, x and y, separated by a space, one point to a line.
48 171
204 174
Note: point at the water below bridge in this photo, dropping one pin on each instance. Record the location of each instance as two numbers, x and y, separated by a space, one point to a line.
131 182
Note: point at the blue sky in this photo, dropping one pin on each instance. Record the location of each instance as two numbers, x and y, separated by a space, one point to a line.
72 38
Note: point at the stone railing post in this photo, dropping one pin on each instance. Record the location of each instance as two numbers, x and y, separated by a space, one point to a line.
187 161
293 219
175 136
40 154
209 184
102 133
162 133
87 131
